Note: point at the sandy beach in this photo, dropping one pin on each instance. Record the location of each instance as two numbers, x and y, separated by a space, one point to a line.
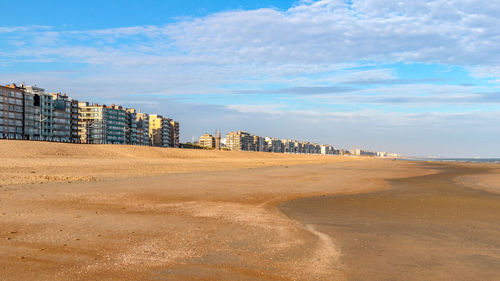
97 212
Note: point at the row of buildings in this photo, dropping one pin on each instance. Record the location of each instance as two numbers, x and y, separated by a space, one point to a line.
29 113
243 141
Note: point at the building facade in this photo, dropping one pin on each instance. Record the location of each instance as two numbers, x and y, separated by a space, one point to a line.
61 130
31 117
11 113
29 113
174 132
131 127
274 145
142 120
160 130
240 140
116 124
91 123
101 124
206 141
259 143
74 122
45 103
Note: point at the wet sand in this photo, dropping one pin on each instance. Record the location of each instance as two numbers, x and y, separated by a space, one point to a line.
424 228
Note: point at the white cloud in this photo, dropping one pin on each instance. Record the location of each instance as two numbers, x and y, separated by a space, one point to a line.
321 32
314 47
487 72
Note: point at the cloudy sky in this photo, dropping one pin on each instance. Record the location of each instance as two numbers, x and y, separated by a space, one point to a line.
413 77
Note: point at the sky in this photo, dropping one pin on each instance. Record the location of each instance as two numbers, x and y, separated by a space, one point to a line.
420 78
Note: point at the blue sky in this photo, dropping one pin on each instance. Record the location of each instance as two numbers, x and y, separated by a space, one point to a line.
413 77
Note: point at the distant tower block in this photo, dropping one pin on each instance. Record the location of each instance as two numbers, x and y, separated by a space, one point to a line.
217 140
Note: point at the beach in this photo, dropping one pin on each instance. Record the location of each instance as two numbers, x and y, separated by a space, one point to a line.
103 212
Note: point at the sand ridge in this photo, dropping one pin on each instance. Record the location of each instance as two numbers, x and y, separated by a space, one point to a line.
25 162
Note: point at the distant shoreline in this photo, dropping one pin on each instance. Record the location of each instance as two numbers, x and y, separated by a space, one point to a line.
454 160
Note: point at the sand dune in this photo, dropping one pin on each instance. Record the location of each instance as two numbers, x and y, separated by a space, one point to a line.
26 162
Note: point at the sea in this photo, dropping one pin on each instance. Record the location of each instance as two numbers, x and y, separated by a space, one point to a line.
464 160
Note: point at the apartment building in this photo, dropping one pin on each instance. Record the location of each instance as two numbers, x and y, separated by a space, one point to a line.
91 123
274 145
240 140
259 143
101 124
31 116
27 112
131 127
11 112
61 129
327 149
298 147
116 124
361 152
74 121
207 141
45 103
31 113
175 128
142 120
288 146
159 130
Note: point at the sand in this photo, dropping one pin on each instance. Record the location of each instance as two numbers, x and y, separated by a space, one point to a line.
489 181
25 162
423 228
135 213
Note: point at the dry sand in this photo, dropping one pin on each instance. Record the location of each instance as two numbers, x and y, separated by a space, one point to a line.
24 162
82 212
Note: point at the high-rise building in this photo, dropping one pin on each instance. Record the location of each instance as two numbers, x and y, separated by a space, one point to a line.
31 113
43 103
131 127
159 130
11 112
27 112
206 141
91 123
258 143
61 130
274 145
143 129
174 133
101 124
327 149
74 122
116 125
31 117
240 140
288 146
